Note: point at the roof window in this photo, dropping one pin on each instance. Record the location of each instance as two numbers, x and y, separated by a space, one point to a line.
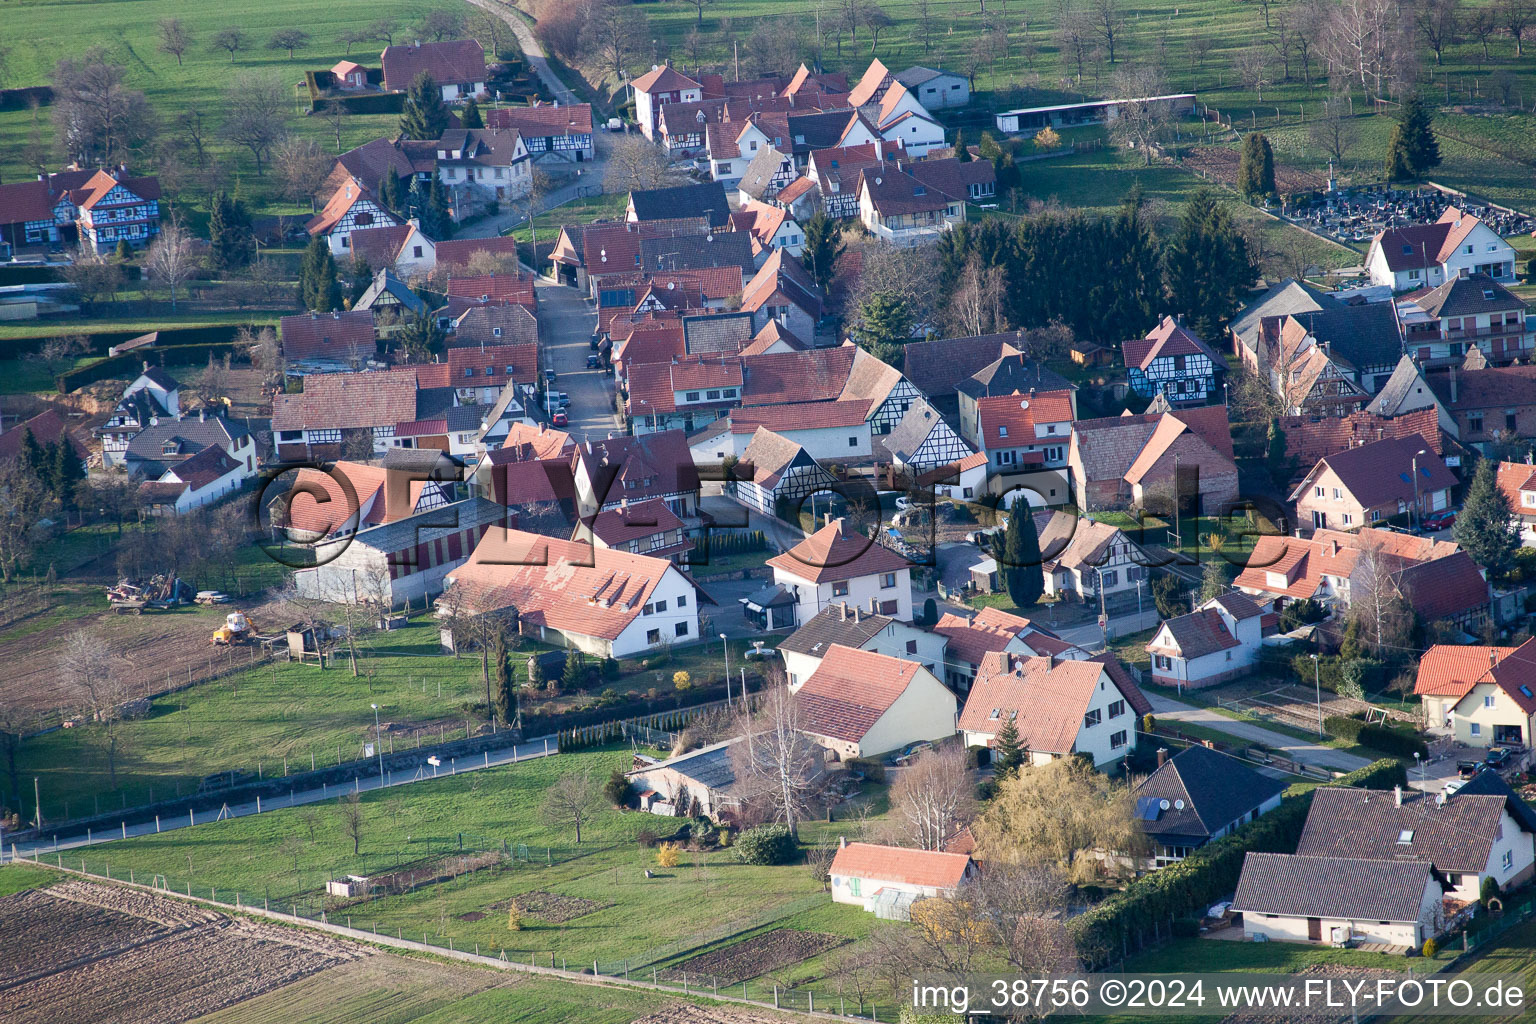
1405 836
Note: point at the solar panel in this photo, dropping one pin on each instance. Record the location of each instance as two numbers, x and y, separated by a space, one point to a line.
1526 690
1405 478
1148 808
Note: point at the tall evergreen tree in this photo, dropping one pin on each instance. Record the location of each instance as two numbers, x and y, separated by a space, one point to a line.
575 671
1256 167
823 246
1207 268
359 277
1414 136
885 325
501 667
426 116
1007 751
66 473
1485 525
420 337
1279 463
319 290
962 151
33 456
1396 166
470 116
233 244
1017 551
391 194
436 218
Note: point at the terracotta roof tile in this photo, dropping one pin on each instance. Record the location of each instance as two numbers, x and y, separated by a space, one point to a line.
850 690
341 335
837 552
1049 699
925 868
453 62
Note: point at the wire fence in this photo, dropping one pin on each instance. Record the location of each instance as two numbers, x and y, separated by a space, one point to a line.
362 921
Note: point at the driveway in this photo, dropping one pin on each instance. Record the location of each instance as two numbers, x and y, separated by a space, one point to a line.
1296 750
566 324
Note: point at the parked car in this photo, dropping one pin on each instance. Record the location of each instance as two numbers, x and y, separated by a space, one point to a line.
560 419
1454 785
1497 758
593 362
1467 769
596 340
983 538
550 376
1442 520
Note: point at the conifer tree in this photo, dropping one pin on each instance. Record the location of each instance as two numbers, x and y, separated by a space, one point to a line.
1485 525
1007 751
1256 168
962 151
319 290
1017 551
426 116
1207 267
823 246
1412 145
470 117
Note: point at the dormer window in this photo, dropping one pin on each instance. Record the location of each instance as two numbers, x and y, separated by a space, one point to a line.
1002 431
1488 294
495 332
919 190
490 371
1407 250
170 448
469 371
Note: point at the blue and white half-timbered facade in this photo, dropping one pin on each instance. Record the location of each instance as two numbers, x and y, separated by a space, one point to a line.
1172 362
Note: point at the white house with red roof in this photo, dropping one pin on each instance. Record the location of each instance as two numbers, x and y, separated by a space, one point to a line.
456 65
1373 482
839 564
1059 708
1218 641
603 601
402 248
1172 362
776 474
549 130
993 631
1483 696
206 477
349 75
1024 430
889 879
862 704
1428 255
116 208
351 207
661 85
35 212
1518 482
772 227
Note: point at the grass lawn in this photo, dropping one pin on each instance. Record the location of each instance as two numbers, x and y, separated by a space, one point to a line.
1510 954
1214 955
582 210
16 878
41 33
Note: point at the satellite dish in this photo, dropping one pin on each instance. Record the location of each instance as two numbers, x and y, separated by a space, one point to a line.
1179 804
1163 804
1024 403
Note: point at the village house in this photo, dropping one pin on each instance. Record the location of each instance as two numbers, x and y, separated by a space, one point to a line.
169 441
40 212
311 423
489 162
838 564
1029 121
409 160
622 470
1441 325
1087 560
703 199
402 561
1428 255
922 441
776 474
1005 374
347 496
1198 796
153 394
1488 405
1172 362
550 131
906 204
993 631
1218 641
1482 696
206 477
351 207
1468 838
935 87
1121 461
1403 400
937 368
829 431
48 427
1331 362
850 626
658 87
112 208
457 66
704 779
782 291
963 480
349 75
397 248
1288 297
1518 482
1026 437
641 528
860 703
1059 708
771 227
887 880
343 338
767 173
1291 898
602 601
1377 481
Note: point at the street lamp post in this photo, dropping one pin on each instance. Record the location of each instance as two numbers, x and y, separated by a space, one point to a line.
1418 511
725 646
378 742
1317 683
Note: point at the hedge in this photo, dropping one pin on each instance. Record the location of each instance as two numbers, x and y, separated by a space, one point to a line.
21 99
1152 902
1377 737
129 364
766 844
362 103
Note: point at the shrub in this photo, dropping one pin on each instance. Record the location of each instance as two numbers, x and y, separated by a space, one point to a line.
667 855
1148 723
725 838
616 789
1430 949
1343 728
646 838
1186 927
702 833
682 680
514 920
1489 891
766 844
610 668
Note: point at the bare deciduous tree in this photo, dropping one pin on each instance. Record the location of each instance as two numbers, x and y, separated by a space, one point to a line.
87 665
256 115
1515 16
1108 22
1439 24
288 39
571 801
231 41
1074 39
100 120
934 796
1252 64
1025 907
171 261
24 503
174 38
636 163
304 166
1144 122
613 36
441 24
775 762
350 809
1333 130
1376 603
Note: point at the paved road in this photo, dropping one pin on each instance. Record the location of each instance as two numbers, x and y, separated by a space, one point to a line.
566 323
534 748
531 49
1296 750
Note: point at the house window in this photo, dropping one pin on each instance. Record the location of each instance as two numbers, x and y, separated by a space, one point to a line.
911 646
1475 423
650 608
1488 701
682 629
1508 860
853 442
1320 492
469 371
1509 419
854 884
730 392
1116 708
1092 718
1110 577
495 332
1002 431
1375 515
1178 364
1337 494
653 636
416 251
840 588
1348 519
713 396
661 606
682 600
1477 729
1117 740
887 580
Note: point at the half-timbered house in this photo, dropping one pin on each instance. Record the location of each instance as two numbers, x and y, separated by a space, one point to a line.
1172 362
782 471
922 440
117 209
351 207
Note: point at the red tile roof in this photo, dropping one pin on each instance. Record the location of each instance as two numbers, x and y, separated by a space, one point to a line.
453 62
543 120
799 416
1382 471
777 378
1448 670
350 193
695 372
459 251
1417 246
1168 338
573 587
618 526
338 335
347 400
47 427
101 183
511 287
324 503
850 690
664 79
1513 478
1445 587
877 78
1048 699
1009 421
925 868
837 552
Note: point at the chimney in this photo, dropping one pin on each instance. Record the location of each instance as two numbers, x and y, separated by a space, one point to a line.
202 415
1453 383
1162 756
842 842
146 366
844 606
874 606
1397 795
856 612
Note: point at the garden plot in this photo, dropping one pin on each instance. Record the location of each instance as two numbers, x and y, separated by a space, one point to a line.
551 907
1220 163
759 955
685 1013
102 953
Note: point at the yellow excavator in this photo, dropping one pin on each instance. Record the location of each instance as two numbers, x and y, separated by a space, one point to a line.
237 629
